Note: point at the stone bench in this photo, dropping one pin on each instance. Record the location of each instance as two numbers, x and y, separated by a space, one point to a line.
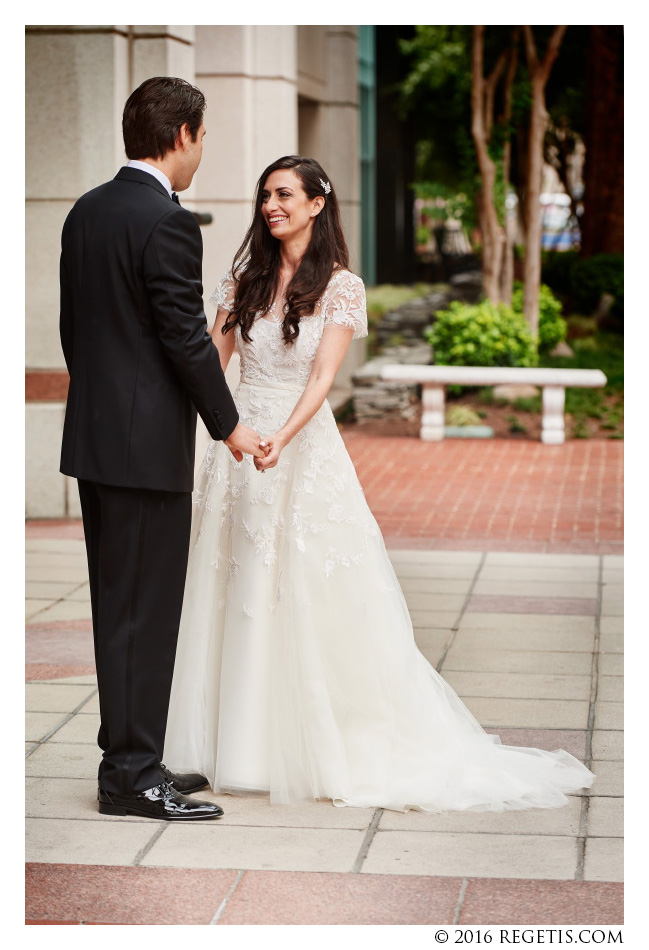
434 380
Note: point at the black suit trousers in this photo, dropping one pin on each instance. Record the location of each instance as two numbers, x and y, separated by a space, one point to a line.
137 542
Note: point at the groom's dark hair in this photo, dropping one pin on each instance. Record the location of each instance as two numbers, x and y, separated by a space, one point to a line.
155 113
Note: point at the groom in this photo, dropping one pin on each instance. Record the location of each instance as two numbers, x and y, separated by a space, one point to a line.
141 362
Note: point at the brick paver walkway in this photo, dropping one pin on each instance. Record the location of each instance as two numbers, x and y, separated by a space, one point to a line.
495 495
523 618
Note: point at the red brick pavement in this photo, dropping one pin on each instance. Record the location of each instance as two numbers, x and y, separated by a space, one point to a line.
496 495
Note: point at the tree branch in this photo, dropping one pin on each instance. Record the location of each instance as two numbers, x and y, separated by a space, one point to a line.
552 51
530 49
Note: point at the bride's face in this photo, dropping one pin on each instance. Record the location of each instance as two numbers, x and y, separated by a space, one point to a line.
286 207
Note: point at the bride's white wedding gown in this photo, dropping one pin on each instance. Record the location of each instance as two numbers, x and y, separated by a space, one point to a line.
297 671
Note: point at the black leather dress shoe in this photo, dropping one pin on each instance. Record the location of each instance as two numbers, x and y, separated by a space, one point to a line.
161 802
185 782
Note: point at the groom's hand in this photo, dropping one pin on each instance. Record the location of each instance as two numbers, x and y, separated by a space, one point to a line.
244 440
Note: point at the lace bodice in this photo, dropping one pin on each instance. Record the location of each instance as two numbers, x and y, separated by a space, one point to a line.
267 357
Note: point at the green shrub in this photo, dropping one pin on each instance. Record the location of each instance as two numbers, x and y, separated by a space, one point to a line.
482 334
552 327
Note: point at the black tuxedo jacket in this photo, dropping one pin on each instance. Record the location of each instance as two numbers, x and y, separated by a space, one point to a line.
135 339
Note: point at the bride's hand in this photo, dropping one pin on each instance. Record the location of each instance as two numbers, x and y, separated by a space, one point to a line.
274 445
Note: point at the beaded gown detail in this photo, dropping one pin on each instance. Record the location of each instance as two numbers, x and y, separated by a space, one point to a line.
297 672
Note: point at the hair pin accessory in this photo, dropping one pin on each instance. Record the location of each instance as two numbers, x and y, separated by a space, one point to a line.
326 187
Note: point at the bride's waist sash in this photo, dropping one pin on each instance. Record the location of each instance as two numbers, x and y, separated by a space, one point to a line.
276 385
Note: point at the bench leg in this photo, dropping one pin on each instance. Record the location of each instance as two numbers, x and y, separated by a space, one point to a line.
552 425
432 419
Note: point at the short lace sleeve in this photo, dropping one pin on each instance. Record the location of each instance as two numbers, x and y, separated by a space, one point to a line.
223 296
345 303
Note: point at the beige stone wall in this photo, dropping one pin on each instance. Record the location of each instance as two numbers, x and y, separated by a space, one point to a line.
271 91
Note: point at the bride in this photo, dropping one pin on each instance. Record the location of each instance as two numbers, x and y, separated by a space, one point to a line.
297 672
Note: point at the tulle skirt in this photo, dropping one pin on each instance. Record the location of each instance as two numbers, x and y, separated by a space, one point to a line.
297 671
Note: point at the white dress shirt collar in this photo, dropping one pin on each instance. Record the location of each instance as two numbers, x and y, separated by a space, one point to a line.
152 170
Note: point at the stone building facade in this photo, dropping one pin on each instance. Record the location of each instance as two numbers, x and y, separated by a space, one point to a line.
271 91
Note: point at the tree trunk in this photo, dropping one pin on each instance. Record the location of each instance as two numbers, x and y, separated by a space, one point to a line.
507 272
603 219
482 95
539 73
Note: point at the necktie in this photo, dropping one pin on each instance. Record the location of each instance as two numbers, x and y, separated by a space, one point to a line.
174 197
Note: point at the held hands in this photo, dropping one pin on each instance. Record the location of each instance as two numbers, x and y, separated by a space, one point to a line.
242 439
273 445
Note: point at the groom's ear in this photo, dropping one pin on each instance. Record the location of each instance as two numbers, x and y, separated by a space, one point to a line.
183 137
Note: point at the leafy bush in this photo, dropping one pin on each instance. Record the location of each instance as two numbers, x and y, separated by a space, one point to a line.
552 327
482 334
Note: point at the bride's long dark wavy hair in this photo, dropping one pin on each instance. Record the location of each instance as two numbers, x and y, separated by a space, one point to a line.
256 263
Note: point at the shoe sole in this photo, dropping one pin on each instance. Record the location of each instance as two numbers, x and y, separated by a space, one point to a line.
122 812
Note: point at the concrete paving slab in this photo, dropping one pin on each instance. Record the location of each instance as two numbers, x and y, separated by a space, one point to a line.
50 697
80 593
611 643
40 724
606 818
521 559
610 625
544 623
611 664
544 903
611 688
65 610
609 715
436 571
513 661
61 840
48 573
256 811
612 605
444 585
433 619
420 601
608 744
64 760
525 640
609 779
81 728
55 545
404 556
52 591
519 685
540 574
615 561
604 859
214 845
472 855
553 589
90 895
536 821
78 559
302 897
534 713
72 798
35 607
